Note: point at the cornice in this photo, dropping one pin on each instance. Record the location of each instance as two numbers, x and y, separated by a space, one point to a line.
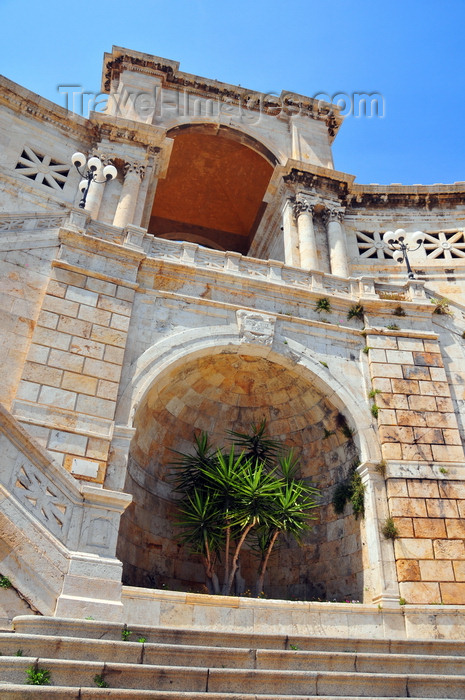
317 179
424 197
29 104
119 130
358 197
171 77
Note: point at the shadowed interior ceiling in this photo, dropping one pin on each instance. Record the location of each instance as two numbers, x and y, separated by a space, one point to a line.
213 192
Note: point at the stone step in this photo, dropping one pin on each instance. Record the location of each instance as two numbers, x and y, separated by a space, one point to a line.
92 629
17 692
275 683
221 657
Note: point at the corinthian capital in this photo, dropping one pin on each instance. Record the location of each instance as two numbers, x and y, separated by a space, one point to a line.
134 167
333 213
302 203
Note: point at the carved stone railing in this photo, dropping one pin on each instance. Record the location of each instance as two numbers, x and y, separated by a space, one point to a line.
275 271
81 516
29 222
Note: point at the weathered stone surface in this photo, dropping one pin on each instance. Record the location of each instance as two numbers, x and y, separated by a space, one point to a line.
120 342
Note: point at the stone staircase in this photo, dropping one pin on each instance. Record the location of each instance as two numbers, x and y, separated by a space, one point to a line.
194 664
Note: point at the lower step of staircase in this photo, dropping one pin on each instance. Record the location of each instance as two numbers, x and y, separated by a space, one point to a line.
193 681
16 692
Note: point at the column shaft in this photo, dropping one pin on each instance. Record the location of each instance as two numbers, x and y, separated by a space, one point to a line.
336 243
126 208
307 240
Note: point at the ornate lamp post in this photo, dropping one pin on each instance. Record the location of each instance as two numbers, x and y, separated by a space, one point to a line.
90 174
402 243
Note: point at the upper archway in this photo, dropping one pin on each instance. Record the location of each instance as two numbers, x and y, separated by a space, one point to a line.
214 188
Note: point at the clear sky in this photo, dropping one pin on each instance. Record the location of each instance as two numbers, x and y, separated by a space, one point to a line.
410 52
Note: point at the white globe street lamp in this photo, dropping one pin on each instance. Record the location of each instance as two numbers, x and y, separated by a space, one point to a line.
90 174
402 243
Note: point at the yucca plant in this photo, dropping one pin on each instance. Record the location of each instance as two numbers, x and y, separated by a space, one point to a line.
226 496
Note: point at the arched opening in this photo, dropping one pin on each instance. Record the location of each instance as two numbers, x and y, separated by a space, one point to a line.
214 188
216 393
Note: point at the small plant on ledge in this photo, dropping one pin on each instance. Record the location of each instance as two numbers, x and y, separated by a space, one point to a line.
99 681
350 490
374 410
125 634
323 304
366 349
37 676
441 307
373 392
398 311
355 311
393 327
390 530
5 582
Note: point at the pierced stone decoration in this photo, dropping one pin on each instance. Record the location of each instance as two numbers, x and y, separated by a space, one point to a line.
40 497
445 244
42 169
255 328
370 245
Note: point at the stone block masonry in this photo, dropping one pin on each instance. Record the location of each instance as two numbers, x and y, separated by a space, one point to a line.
417 426
68 389
416 418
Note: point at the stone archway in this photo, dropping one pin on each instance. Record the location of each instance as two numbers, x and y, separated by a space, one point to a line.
214 188
230 390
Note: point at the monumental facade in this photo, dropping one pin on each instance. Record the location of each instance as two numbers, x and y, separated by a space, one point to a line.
228 274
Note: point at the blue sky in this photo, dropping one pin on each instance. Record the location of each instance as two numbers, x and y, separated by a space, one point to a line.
410 52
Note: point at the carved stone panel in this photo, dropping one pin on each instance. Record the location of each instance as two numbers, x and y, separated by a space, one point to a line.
255 327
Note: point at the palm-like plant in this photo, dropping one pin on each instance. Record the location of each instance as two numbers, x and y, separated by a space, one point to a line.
227 496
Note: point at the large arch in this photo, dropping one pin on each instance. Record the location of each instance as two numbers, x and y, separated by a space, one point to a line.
214 189
217 386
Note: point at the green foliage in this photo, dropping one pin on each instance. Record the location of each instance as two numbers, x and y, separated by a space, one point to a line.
441 307
393 327
100 681
327 433
19 652
37 676
343 427
443 470
374 410
142 640
350 490
366 349
125 634
347 431
252 492
357 497
294 647
398 311
373 392
381 468
5 582
355 311
322 362
390 530
323 304
402 601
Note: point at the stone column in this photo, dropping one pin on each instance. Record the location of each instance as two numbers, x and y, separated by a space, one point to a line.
336 241
289 235
133 174
96 189
303 212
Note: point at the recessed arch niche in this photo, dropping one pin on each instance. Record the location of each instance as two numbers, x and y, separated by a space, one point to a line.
230 391
213 192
